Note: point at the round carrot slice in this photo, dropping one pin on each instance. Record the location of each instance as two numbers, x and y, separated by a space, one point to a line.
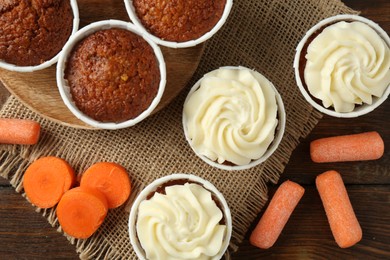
81 211
46 180
109 178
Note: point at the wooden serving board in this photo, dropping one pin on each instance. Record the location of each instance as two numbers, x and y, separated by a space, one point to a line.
38 90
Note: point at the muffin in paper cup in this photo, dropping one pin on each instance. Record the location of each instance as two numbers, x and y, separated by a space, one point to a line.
180 216
106 85
342 66
39 54
234 118
185 24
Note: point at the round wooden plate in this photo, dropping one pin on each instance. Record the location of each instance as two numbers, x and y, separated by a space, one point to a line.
38 90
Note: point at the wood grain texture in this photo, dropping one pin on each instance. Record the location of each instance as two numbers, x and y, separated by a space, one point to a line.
364 172
307 235
24 234
29 235
38 90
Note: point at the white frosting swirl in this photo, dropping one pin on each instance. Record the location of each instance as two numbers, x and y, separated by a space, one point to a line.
232 116
182 224
347 64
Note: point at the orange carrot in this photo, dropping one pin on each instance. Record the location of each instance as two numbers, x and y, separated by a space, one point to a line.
342 220
19 131
276 215
356 147
46 180
81 211
109 178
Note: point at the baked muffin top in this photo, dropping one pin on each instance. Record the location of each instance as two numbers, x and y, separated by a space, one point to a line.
113 75
33 31
179 20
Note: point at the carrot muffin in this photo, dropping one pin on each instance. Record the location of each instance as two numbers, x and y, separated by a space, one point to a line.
182 219
231 118
345 64
33 31
179 20
113 75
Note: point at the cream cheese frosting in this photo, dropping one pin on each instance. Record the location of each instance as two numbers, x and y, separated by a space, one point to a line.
183 223
348 64
232 116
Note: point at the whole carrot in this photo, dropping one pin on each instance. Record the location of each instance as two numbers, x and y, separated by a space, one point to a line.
342 220
276 215
19 131
356 147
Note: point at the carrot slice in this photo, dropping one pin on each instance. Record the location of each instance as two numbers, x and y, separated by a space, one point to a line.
356 147
276 215
81 211
46 180
342 219
19 131
109 178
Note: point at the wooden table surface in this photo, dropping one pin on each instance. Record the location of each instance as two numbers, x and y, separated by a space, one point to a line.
25 234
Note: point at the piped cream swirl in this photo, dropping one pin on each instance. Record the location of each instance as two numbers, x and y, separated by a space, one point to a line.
181 224
347 64
232 116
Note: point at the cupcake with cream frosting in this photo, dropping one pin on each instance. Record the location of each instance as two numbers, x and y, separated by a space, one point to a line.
342 66
180 216
233 118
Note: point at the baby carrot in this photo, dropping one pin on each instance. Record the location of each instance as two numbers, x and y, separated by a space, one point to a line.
109 178
19 131
356 147
342 220
81 211
46 180
276 215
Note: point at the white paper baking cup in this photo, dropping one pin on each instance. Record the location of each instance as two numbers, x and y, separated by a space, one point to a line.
279 132
359 109
152 187
46 64
64 87
134 18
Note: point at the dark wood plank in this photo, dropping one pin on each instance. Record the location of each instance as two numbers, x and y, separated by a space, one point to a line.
307 234
25 234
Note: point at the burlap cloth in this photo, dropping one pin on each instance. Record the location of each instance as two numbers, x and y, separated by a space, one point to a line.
259 34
